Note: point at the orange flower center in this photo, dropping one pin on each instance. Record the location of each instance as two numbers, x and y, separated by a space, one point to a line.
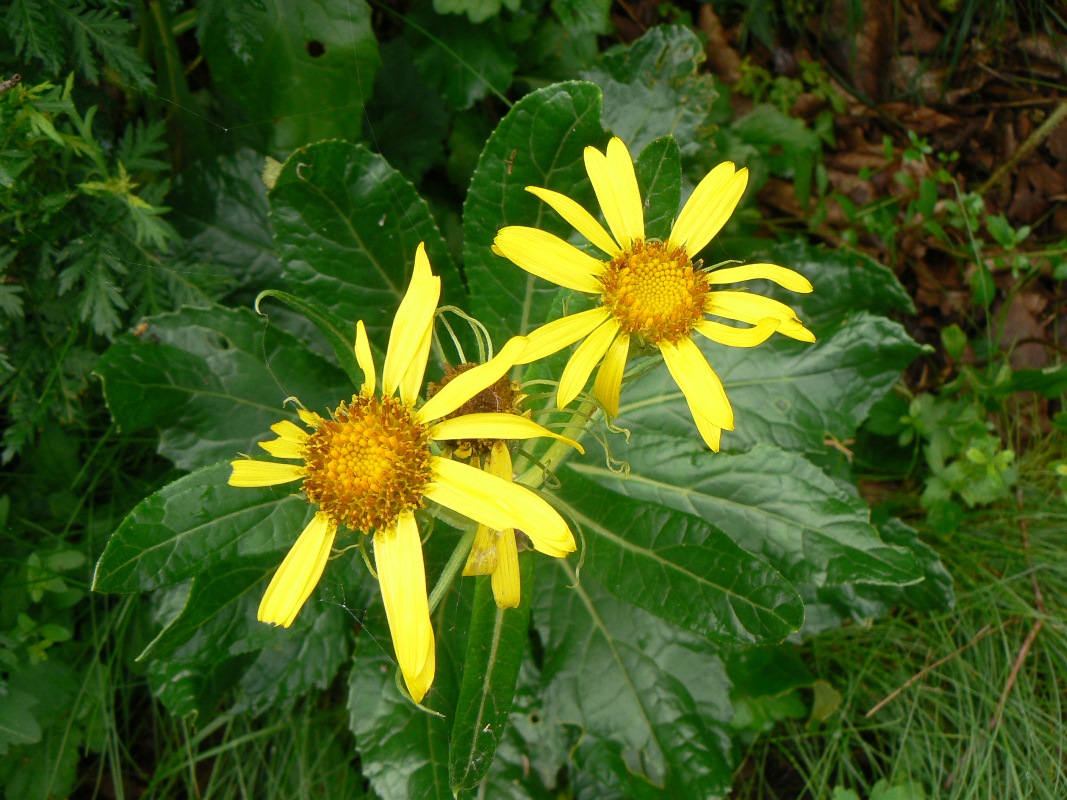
654 290
368 464
502 397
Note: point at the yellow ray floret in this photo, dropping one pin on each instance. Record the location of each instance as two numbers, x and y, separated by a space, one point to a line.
248 473
499 504
402 574
299 573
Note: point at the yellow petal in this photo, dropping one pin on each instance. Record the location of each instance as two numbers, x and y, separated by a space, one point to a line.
615 184
424 677
283 448
290 441
751 308
576 373
549 257
467 384
788 278
554 336
248 472
299 573
709 431
701 386
494 426
505 574
402 574
608 381
583 222
290 432
738 337
411 383
365 359
505 578
309 418
412 324
483 557
709 207
500 461
499 504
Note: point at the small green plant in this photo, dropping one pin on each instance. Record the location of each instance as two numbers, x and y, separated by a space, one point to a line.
966 459
783 91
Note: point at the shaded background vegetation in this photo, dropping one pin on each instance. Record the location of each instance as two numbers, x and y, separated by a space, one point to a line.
924 135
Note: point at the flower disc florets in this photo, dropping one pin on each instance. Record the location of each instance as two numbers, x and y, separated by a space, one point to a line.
368 464
655 291
502 397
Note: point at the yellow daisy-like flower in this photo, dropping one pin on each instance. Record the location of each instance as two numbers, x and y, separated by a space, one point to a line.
651 291
373 463
495 553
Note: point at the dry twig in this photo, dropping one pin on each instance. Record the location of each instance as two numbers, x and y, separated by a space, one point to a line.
984 632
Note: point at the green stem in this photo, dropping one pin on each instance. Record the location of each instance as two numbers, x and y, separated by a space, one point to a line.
558 452
452 568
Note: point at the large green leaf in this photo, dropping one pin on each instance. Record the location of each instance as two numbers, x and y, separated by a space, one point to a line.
347 226
679 567
496 645
214 641
213 380
771 502
787 393
650 698
539 143
220 208
407 121
404 751
659 174
654 87
828 606
307 75
463 60
193 524
296 660
216 601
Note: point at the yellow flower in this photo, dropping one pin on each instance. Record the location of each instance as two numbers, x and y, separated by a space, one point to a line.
372 464
494 552
651 292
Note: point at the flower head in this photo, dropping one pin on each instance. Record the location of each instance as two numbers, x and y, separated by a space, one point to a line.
651 292
375 461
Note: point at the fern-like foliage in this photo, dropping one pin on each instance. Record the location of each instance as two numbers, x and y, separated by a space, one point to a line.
35 32
60 34
86 250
